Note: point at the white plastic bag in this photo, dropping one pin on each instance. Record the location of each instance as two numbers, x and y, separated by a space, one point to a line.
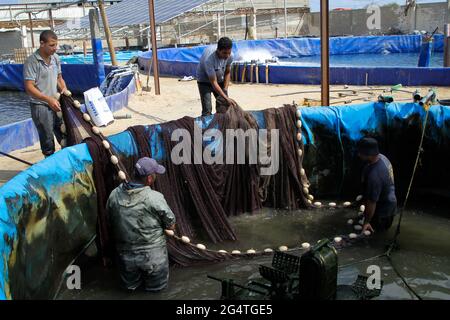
97 107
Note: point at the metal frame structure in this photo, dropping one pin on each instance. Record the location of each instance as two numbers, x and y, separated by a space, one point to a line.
213 12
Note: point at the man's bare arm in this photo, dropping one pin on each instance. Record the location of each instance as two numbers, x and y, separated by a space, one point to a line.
227 77
61 84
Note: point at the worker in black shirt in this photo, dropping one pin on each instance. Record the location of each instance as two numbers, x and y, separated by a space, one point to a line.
378 187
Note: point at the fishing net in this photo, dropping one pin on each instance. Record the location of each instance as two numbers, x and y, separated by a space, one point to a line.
202 196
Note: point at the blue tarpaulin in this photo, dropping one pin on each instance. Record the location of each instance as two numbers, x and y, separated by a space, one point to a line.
78 77
183 61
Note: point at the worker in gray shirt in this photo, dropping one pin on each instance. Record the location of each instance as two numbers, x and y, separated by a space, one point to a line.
214 74
42 76
138 217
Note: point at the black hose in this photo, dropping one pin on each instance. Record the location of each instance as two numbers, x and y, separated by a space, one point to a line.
17 159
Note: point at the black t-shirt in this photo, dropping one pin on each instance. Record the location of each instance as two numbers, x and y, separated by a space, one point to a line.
378 186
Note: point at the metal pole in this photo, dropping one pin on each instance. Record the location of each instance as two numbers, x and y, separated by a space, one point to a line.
219 27
31 29
50 16
224 19
285 21
325 51
447 46
112 52
151 8
97 47
447 38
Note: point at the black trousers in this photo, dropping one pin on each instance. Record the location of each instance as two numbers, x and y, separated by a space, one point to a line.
205 89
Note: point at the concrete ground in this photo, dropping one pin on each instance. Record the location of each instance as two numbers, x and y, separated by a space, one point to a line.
179 99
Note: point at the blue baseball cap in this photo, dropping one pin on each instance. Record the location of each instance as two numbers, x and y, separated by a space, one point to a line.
147 166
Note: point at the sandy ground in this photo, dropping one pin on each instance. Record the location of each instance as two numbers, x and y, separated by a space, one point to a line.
180 99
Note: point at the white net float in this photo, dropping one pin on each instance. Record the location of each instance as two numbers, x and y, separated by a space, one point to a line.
59 114
86 117
310 197
201 246
298 113
122 175
305 245
96 130
353 235
222 251
299 152
268 250
362 208
318 204
305 190
302 171
347 204
235 252
67 93
350 221
63 128
283 248
299 124
114 160
77 104
337 239
299 136
309 201
359 198
185 239
63 143
367 233
57 96
169 232
251 251
106 144
332 204
357 227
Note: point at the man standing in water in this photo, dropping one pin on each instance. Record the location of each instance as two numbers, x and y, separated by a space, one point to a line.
42 76
378 187
138 216
214 74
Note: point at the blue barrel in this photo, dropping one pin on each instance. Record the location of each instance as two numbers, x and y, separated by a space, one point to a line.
97 54
425 52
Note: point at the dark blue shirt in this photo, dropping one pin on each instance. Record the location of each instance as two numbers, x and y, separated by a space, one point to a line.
378 186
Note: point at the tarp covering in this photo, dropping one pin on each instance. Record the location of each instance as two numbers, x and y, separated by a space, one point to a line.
23 134
397 126
41 228
78 77
183 61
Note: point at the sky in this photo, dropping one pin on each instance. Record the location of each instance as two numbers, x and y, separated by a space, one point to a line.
357 4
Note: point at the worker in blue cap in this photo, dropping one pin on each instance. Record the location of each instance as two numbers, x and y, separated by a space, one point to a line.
138 217
378 187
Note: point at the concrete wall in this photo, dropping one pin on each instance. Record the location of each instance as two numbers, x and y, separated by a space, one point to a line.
354 22
393 20
9 40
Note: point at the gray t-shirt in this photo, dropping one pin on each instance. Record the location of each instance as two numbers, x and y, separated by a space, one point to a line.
211 65
44 75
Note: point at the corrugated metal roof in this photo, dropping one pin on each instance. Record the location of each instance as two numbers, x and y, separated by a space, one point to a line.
135 12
